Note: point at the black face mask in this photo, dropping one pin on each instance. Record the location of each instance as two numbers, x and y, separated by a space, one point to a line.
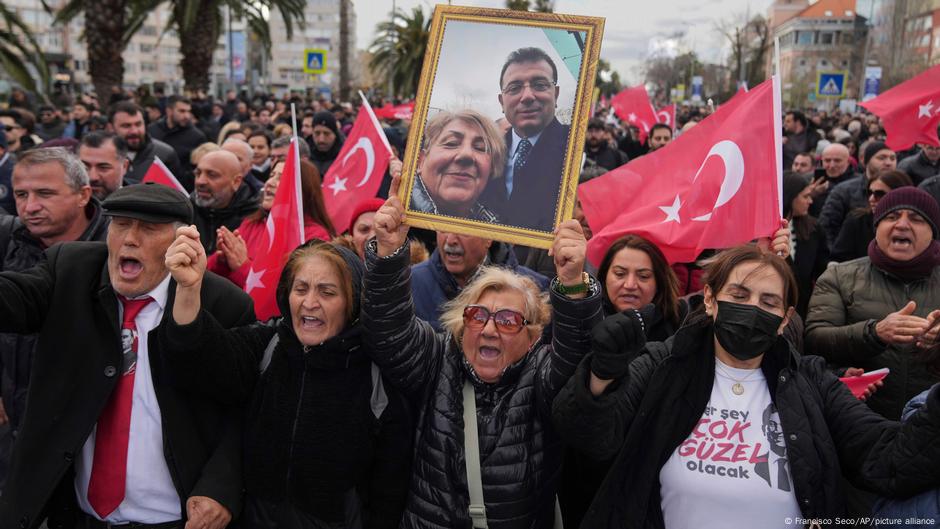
745 331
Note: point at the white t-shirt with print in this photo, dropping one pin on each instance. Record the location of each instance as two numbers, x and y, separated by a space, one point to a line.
732 470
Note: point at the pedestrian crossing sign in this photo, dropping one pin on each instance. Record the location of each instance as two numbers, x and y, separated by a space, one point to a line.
314 61
830 84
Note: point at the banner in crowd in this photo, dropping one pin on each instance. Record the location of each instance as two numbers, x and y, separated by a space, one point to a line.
159 173
910 112
717 185
633 106
358 170
284 232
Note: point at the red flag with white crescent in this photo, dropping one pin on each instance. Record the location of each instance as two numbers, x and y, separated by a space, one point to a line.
910 112
633 106
161 174
717 185
667 115
284 231
358 169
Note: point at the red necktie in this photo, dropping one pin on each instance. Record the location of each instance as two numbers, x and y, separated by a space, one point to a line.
109 469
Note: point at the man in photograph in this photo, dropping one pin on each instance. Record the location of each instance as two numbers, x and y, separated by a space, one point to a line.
536 142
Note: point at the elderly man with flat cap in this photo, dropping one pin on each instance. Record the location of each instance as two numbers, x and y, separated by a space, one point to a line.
108 440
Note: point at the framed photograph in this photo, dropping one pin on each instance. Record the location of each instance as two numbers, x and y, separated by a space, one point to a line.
496 143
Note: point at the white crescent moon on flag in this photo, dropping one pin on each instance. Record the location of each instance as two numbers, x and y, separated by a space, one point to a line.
366 147
731 155
664 117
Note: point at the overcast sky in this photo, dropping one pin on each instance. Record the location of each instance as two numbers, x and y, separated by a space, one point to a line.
634 28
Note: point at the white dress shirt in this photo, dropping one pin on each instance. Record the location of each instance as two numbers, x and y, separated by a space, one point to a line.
149 496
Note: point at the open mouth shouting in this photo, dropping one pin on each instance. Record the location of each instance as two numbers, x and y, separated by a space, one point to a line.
130 268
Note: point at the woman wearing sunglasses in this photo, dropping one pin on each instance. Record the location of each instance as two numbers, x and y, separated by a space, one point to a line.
489 358
857 230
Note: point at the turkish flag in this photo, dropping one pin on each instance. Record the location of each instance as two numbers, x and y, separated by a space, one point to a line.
160 174
667 115
403 111
358 169
717 185
633 106
284 232
910 112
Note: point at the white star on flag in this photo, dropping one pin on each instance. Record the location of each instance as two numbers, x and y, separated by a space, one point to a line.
254 280
338 185
632 117
672 212
925 109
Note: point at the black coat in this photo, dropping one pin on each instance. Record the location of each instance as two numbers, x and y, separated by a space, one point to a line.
857 232
642 419
144 157
812 256
918 167
182 139
520 453
22 252
69 301
608 157
535 186
313 442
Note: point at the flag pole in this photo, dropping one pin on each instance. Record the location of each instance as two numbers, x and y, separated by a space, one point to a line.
294 150
778 123
375 123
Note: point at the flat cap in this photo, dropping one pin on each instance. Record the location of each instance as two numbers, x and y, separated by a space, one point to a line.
149 202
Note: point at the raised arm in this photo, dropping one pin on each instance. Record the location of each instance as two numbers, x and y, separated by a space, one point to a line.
594 410
208 358
406 349
573 315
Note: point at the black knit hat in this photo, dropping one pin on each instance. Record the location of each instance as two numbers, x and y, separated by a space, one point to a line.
149 202
872 149
793 185
326 119
914 199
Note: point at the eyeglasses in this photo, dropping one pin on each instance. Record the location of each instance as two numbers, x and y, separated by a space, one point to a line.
507 321
877 193
538 86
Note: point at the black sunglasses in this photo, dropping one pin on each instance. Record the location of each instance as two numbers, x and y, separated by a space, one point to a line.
877 193
507 321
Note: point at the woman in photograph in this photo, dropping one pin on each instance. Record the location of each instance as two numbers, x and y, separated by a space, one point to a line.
725 424
461 152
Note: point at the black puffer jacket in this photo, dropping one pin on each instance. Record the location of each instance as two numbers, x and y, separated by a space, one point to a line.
642 419
519 450
327 441
22 252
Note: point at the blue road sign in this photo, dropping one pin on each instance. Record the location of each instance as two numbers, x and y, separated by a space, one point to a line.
830 84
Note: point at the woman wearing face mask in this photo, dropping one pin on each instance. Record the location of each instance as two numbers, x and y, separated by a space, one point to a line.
485 384
237 249
725 425
858 230
326 441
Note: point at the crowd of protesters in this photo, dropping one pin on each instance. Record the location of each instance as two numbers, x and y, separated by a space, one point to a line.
422 379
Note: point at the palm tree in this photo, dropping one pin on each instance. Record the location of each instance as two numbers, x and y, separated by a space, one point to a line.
398 50
19 50
109 26
199 24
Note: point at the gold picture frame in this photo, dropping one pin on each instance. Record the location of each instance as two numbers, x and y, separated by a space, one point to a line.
462 42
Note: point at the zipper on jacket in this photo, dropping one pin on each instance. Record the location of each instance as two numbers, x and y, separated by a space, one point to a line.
293 433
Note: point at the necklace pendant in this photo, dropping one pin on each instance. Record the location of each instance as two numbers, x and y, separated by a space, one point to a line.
737 389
